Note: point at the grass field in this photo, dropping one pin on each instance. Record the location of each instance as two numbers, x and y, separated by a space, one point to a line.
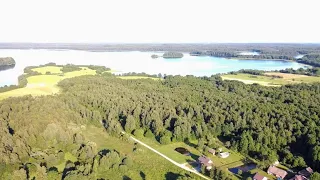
266 80
45 84
145 161
235 159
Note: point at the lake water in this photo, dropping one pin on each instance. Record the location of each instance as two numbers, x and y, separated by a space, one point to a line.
134 62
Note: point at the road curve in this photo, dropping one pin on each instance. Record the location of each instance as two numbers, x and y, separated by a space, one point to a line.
167 158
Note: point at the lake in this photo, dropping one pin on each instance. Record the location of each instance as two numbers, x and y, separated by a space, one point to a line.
134 62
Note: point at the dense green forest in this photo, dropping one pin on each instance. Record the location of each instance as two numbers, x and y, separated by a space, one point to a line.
312 59
265 123
7 63
314 71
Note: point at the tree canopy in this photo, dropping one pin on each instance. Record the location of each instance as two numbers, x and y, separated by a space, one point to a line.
266 123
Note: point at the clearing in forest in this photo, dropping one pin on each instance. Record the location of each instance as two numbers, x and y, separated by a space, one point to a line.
271 78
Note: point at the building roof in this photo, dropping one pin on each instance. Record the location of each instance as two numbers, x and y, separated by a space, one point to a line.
224 154
306 172
299 177
205 160
212 151
277 172
257 176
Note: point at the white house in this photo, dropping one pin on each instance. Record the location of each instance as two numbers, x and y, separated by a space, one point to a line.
224 154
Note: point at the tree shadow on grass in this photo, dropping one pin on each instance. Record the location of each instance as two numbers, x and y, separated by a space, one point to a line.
126 178
172 176
190 143
194 156
142 175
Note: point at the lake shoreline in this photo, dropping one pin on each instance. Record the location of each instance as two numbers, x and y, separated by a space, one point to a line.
147 51
134 61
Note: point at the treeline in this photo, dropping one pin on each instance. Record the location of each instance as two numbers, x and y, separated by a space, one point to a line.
142 74
311 59
315 71
249 71
308 71
233 54
7 63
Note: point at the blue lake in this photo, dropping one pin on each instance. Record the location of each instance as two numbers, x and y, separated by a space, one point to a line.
134 62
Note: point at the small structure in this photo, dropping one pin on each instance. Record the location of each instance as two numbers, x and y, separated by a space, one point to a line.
224 154
279 173
257 176
299 177
183 151
306 172
205 161
212 151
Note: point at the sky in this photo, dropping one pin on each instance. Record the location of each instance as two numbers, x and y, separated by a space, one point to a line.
161 21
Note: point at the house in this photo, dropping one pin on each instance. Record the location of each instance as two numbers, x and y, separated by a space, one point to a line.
212 151
203 160
306 172
224 154
299 177
277 172
257 176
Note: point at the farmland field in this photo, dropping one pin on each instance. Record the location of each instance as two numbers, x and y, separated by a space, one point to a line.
271 78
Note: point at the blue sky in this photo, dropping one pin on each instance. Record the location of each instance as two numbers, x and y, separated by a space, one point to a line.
149 21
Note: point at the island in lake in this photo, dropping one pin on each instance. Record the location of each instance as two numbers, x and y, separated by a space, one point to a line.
7 63
168 55
172 55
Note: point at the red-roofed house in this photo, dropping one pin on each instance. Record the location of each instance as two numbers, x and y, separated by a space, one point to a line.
203 160
277 172
259 177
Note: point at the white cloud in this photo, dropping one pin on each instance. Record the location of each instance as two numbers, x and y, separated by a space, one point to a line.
159 21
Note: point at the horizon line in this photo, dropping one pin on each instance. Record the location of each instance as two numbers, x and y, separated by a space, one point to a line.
159 43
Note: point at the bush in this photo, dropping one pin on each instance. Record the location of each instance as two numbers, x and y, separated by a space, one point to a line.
138 133
149 134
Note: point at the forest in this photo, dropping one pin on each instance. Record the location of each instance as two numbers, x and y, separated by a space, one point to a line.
7 63
264 123
172 55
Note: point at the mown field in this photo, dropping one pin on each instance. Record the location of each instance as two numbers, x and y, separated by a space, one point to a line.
269 79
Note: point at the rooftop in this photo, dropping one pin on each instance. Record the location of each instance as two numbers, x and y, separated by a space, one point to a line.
277 172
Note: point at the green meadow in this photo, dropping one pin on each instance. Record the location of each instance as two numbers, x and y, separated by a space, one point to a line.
270 79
